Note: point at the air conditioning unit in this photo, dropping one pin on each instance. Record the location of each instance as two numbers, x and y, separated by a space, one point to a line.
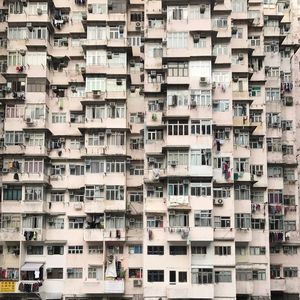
203 80
152 160
173 163
202 8
108 131
259 173
234 30
164 41
240 56
96 93
78 205
4 171
236 131
138 25
214 85
39 11
109 54
243 187
119 81
101 134
121 29
165 66
22 52
137 283
196 38
153 74
83 70
29 26
174 100
73 89
235 78
29 121
27 136
193 103
218 202
90 8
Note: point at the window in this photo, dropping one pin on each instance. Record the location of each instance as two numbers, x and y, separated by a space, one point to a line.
95 249
202 276
275 196
38 33
276 222
56 223
76 223
222 250
178 188
55 250
241 138
14 138
155 192
203 218
203 127
257 250
59 118
221 105
178 69
289 225
258 224
178 250
201 157
242 221
223 276
76 169
290 250
243 274
200 98
259 275
136 170
135 273
135 249
136 197
155 221
95 272
242 192
275 172
198 250
178 219
223 192
57 196
55 273
241 251
12 192
35 250
74 273
94 192
155 250
75 249
177 13
177 39
178 127
96 33
200 189
222 222
290 272
155 275
115 221
241 165
114 192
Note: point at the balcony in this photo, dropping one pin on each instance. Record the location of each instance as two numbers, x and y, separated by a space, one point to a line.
114 234
178 234
37 234
153 7
93 235
243 235
10 235
202 234
244 287
278 285
114 286
93 287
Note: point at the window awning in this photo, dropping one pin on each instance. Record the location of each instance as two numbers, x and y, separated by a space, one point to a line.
31 266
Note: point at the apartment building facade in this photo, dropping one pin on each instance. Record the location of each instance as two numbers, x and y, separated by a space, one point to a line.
149 149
